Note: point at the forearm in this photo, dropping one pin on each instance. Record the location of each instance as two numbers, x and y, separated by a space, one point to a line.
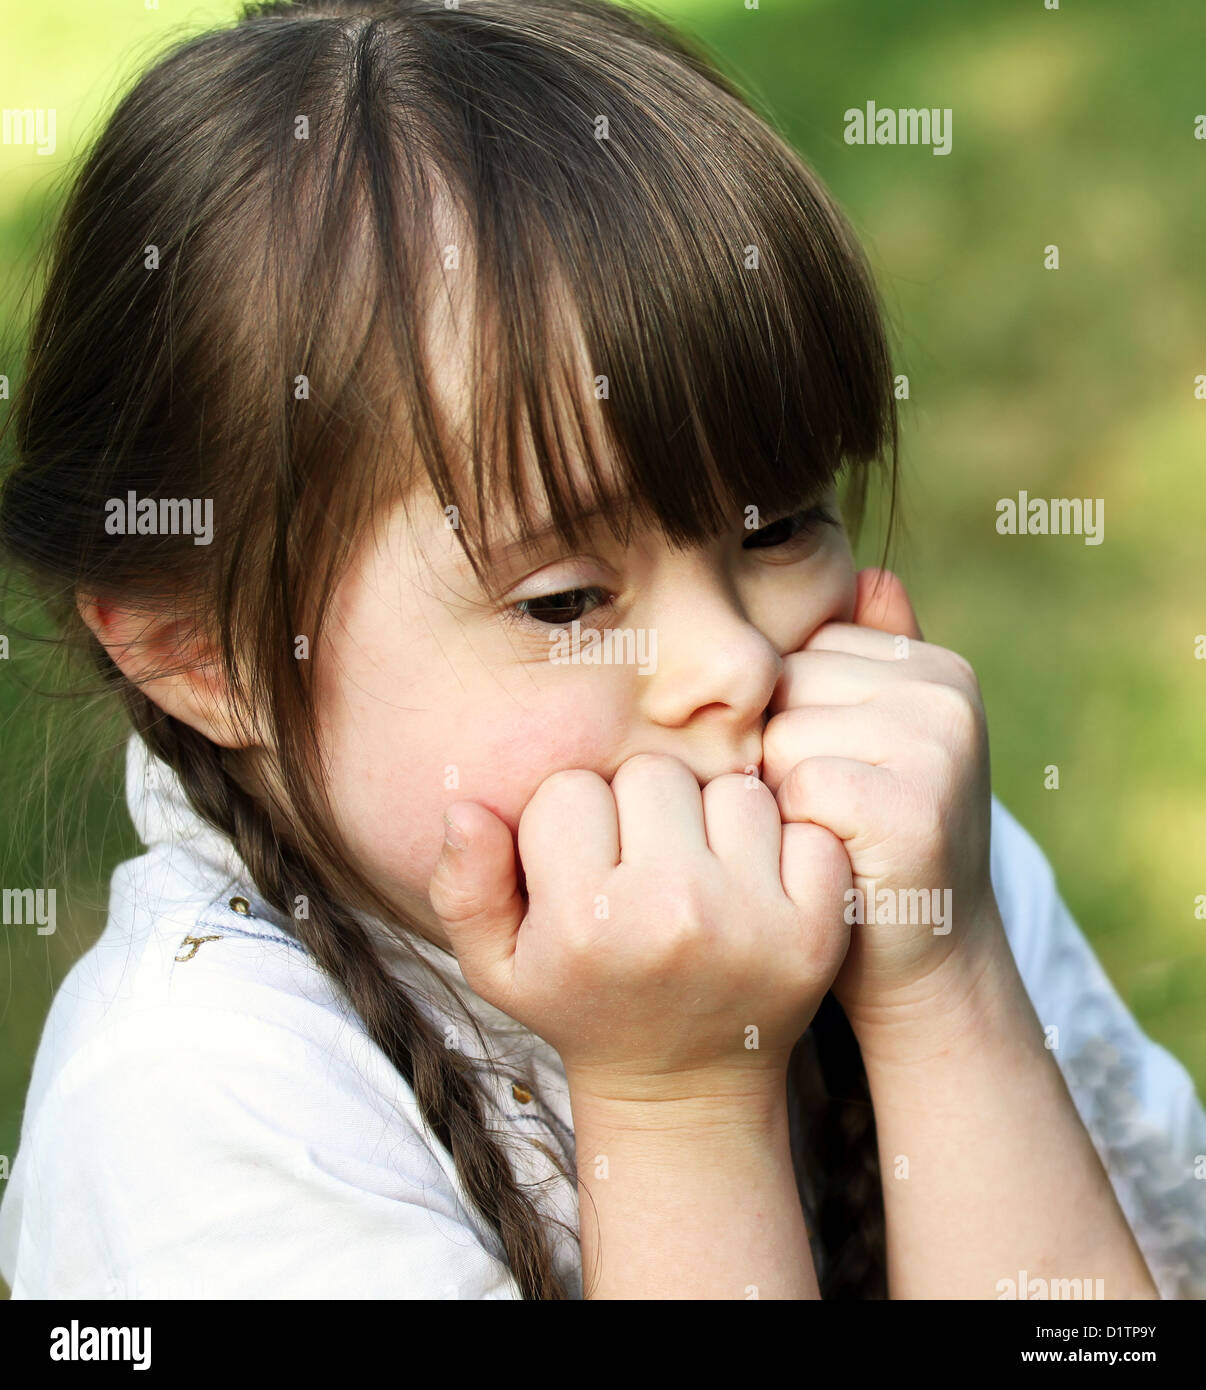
987 1168
681 1204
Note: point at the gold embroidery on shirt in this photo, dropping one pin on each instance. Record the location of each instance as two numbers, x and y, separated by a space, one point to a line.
196 941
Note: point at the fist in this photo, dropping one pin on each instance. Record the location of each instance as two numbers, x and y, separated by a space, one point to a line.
880 737
673 941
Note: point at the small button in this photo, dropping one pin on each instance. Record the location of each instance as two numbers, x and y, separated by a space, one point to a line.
241 906
521 1093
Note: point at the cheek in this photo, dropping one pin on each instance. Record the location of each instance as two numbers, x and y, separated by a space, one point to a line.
392 790
794 606
836 591
513 750
846 592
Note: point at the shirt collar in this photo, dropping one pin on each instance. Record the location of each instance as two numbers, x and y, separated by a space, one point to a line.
163 815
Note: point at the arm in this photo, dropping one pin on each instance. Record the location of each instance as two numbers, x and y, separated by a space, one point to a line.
678 1202
1136 1099
1002 1176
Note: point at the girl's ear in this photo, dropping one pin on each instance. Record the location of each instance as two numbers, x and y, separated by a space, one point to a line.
192 688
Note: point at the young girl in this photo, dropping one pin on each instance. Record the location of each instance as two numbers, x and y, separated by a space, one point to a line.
392 357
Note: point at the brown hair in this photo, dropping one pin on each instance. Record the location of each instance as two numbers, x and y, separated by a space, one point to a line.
270 202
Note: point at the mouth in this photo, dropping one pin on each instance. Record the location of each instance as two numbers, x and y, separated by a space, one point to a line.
752 768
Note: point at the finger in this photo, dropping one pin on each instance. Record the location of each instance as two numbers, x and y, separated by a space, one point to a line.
569 838
843 795
822 731
814 867
659 808
742 823
818 676
474 891
869 643
882 602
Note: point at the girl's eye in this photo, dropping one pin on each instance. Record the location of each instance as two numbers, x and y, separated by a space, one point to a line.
554 610
570 605
791 528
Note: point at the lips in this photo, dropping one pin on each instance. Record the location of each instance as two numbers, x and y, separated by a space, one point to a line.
741 769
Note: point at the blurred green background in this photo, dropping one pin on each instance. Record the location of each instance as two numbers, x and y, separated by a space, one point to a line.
1072 127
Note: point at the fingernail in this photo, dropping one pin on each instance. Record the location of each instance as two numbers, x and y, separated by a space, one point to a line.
454 837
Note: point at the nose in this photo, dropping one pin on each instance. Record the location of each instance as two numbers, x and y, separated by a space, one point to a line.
715 668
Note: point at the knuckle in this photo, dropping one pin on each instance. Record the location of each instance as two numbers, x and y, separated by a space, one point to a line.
821 846
678 911
814 851
452 901
797 786
565 784
656 773
962 670
772 735
781 732
958 712
731 785
809 778
577 935
647 765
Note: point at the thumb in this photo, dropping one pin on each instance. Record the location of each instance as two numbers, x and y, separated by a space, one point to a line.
882 602
474 891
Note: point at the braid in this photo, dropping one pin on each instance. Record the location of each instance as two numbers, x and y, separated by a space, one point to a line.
838 1172
441 1078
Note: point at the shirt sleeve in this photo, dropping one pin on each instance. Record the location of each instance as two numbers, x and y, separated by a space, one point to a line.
203 1153
1136 1100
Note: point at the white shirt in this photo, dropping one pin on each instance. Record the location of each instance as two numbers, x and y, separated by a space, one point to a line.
207 1119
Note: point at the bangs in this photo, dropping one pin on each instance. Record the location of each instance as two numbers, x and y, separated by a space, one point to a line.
548 258
670 320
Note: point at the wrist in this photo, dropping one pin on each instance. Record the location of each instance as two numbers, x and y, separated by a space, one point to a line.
689 1197
715 1103
964 998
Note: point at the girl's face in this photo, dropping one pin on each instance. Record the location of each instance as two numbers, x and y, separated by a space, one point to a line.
433 690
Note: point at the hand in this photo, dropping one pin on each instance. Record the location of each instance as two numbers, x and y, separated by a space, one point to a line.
881 738
662 922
